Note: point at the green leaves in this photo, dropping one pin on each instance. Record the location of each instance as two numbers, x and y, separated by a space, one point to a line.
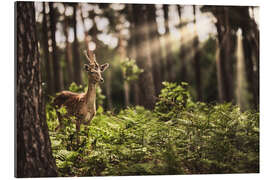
75 88
179 137
130 69
173 99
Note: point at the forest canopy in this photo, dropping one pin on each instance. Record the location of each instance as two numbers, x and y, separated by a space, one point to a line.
213 48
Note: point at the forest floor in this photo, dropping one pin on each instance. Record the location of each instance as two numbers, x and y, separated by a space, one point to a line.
178 137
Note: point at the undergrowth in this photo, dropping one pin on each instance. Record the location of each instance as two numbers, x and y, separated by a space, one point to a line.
179 136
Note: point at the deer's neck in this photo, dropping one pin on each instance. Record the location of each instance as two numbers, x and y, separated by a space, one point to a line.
91 95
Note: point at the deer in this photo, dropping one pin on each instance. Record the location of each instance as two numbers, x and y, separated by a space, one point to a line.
82 105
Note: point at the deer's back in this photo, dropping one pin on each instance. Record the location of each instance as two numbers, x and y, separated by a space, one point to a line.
72 101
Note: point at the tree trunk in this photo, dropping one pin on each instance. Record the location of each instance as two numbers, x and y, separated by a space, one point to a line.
156 55
228 59
58 82
224 65
251 53
76 58
86 36
108 89
33 148
241 85
132 54
143 56
169 57
68 52
123 56
196 60
47 62
218 67
183 50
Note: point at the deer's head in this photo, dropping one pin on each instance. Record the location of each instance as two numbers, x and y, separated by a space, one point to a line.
93 69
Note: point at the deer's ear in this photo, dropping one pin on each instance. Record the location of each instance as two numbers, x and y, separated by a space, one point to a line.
86 67
103 67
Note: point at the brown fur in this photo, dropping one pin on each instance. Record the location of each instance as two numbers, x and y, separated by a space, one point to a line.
82 106
72 102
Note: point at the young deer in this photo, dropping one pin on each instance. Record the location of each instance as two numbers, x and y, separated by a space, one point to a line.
82 106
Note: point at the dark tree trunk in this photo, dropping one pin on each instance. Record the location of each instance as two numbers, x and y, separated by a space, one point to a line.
33 148
252 76
251 52
76 58
169 57
156 55
224 62
183 50
68 52
197 68
47 62
228 58
196 61
122 54
58 83
132 53
108 89
143 56
86 36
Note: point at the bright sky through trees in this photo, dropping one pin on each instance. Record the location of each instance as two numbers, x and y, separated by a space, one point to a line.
204 22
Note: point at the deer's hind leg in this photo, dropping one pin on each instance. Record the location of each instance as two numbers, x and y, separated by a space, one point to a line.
61 124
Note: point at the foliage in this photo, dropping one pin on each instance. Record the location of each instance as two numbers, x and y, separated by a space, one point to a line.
173 99
130 69
179 137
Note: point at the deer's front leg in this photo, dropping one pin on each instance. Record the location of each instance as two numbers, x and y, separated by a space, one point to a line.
89 117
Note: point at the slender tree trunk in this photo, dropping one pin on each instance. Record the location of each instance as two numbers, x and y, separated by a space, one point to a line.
47 62
183 50
33 148
241 85
108 89
68 52
224 65
122 53
228 59
156 55
143 56
76 57
219 79
132 54
196 62
86 36
251 53
58 83
169 57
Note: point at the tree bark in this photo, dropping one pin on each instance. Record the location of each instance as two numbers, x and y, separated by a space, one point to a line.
251 52
196 60
86 36
76 58
47 62
143 56
224 65
156 55
33 148
132 53
58 80
123 56
228 59
183 50
169 57
68 52
108 89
